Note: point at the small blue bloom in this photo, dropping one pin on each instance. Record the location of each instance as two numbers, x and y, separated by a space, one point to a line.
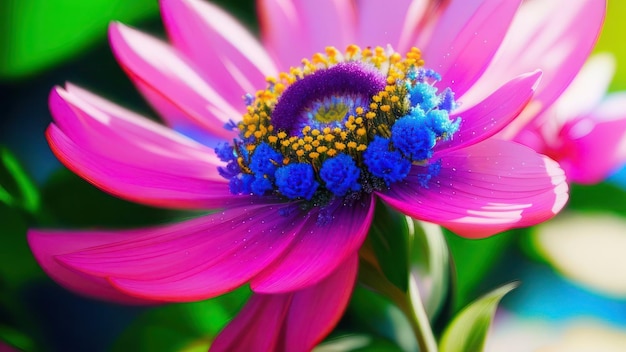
225 152
231 170
439 122
296 181
241 185
447 100
340 174
384 163
432 170
264 160
413 137
423 95
260 185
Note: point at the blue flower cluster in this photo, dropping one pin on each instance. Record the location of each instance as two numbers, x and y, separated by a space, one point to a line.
413 136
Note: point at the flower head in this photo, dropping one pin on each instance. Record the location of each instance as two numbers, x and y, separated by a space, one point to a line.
304 155
342 125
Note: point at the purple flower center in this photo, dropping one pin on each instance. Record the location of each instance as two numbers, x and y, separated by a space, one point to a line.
326 96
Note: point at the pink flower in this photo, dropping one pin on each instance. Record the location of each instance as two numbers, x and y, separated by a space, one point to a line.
584 130
293 213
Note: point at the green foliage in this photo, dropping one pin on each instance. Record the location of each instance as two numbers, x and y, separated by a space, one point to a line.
612 40
182 326
16 188
389 237
36 34
468 330
357 343
473 259
601 197
430 262
73 202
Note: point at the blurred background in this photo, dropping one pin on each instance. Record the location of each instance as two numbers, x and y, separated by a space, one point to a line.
572 269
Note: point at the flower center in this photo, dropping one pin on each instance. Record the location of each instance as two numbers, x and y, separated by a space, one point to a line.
339 126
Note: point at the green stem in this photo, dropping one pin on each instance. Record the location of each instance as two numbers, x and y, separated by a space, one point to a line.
408 302
419 319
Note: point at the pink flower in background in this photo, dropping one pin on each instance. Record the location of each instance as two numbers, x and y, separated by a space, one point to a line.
297 171
585 131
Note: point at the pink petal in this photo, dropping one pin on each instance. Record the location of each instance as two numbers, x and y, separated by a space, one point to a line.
178 119
296 29
46 245
318 248
466 38
485 189
315 310
257 326
187 261
380 24
226 53
595 145
293 321
130 156
554 36
493 113
172 78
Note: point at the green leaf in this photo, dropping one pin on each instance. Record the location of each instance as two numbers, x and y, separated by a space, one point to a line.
389 235
473 259
73 202
468 330
376 315
16 188
182 326
357 343
15 339
17 265
612 40
35 34
430 264
601 197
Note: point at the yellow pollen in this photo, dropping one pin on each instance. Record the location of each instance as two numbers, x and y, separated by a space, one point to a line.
352 144
321 149
272 139
314 155
282 135
331 152
385 108
361 147
340 146
352 51
361 131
